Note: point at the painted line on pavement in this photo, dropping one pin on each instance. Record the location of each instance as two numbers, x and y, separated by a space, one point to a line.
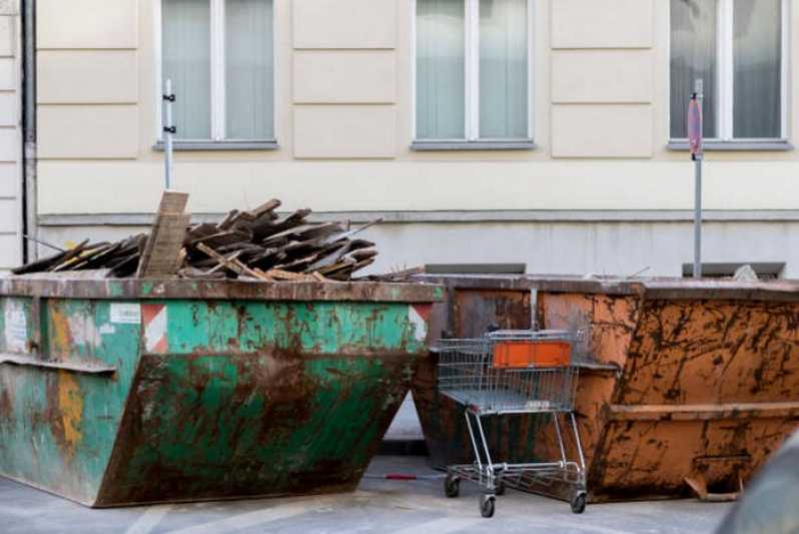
443 525
149 520
254 519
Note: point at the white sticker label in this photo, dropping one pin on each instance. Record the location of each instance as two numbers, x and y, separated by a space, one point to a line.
419 324
16 328
125 313
108 330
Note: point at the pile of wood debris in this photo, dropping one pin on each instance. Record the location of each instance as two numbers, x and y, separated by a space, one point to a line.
257 244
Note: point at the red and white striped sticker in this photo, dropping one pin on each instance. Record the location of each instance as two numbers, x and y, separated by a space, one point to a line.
154 321
418 315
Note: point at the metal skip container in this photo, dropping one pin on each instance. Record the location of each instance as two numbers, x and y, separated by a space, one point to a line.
691 384
122 392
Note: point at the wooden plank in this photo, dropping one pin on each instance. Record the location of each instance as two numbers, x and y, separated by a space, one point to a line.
161 254
231 263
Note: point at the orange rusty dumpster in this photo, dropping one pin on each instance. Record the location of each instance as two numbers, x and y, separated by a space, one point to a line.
690 384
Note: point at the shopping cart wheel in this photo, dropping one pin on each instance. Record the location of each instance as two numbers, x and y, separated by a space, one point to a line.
452 486
500 491
578 502
487 502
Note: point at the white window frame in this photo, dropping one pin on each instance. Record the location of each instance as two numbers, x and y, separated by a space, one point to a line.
725 87
218 65
472 75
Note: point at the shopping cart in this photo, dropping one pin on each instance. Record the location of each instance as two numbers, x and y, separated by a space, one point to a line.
513 372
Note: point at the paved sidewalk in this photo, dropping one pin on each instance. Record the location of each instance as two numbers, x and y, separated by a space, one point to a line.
379 505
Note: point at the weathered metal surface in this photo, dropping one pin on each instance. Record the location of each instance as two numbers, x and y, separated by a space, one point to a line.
706 388
75 286
470 311
692 380
210 398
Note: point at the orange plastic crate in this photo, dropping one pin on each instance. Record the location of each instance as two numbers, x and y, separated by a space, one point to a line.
525 354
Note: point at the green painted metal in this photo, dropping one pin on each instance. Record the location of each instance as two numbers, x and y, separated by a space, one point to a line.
111 400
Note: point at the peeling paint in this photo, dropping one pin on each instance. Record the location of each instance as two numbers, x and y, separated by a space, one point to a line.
245 398
689 381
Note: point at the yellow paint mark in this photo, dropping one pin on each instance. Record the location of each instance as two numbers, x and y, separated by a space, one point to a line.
70 404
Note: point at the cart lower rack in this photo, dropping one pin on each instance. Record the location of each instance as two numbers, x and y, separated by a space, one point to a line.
513 372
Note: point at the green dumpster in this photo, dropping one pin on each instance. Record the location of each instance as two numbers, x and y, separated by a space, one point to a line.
123 392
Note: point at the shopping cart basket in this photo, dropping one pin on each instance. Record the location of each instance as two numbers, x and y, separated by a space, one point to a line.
513 372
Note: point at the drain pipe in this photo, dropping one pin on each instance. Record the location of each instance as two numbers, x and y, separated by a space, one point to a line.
29 168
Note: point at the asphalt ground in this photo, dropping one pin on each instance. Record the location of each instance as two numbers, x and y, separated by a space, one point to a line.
379 505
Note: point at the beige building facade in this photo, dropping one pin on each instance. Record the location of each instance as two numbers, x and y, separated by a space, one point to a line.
596 186
10 138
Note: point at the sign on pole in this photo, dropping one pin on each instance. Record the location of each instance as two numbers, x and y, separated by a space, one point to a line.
695 135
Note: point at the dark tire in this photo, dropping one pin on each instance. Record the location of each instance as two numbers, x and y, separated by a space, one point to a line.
487 506
452 486
500 489
578 502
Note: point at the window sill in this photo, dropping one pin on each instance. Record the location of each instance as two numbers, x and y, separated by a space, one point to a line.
735 146
180 146
429 146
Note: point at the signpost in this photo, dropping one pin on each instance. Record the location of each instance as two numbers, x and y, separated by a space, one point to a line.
169 131
695 134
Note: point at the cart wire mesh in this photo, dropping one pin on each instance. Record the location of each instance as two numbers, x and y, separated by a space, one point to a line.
469 374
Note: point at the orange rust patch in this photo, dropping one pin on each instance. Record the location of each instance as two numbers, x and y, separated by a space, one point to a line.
70 404
61 335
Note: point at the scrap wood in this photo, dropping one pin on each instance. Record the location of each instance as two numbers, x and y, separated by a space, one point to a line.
231 263
398 276
161 255
257 244
280 274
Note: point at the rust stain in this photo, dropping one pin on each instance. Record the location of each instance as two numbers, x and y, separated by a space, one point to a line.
70 405
676 354
61 335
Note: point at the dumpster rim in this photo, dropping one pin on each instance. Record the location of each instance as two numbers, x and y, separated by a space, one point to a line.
658 288
54 286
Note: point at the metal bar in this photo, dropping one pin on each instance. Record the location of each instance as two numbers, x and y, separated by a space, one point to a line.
578 441
698 220
474 442
29 168
169 130
560 438
74 367
698 192
691 412
490 464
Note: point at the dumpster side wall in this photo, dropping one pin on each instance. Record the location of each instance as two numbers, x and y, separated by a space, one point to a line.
706 389
610 322
243 399
471 312
59 414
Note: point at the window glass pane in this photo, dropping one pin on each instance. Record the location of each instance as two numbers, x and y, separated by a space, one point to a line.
186 58
440 69
503 69
249 86
693 55
757 48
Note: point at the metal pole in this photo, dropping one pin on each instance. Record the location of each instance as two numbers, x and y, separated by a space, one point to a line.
698 192
169 131
698 221
30 167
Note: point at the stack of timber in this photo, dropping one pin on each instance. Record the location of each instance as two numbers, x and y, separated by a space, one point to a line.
257 244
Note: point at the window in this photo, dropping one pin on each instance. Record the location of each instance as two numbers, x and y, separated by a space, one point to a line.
736 48
219 56
472 72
